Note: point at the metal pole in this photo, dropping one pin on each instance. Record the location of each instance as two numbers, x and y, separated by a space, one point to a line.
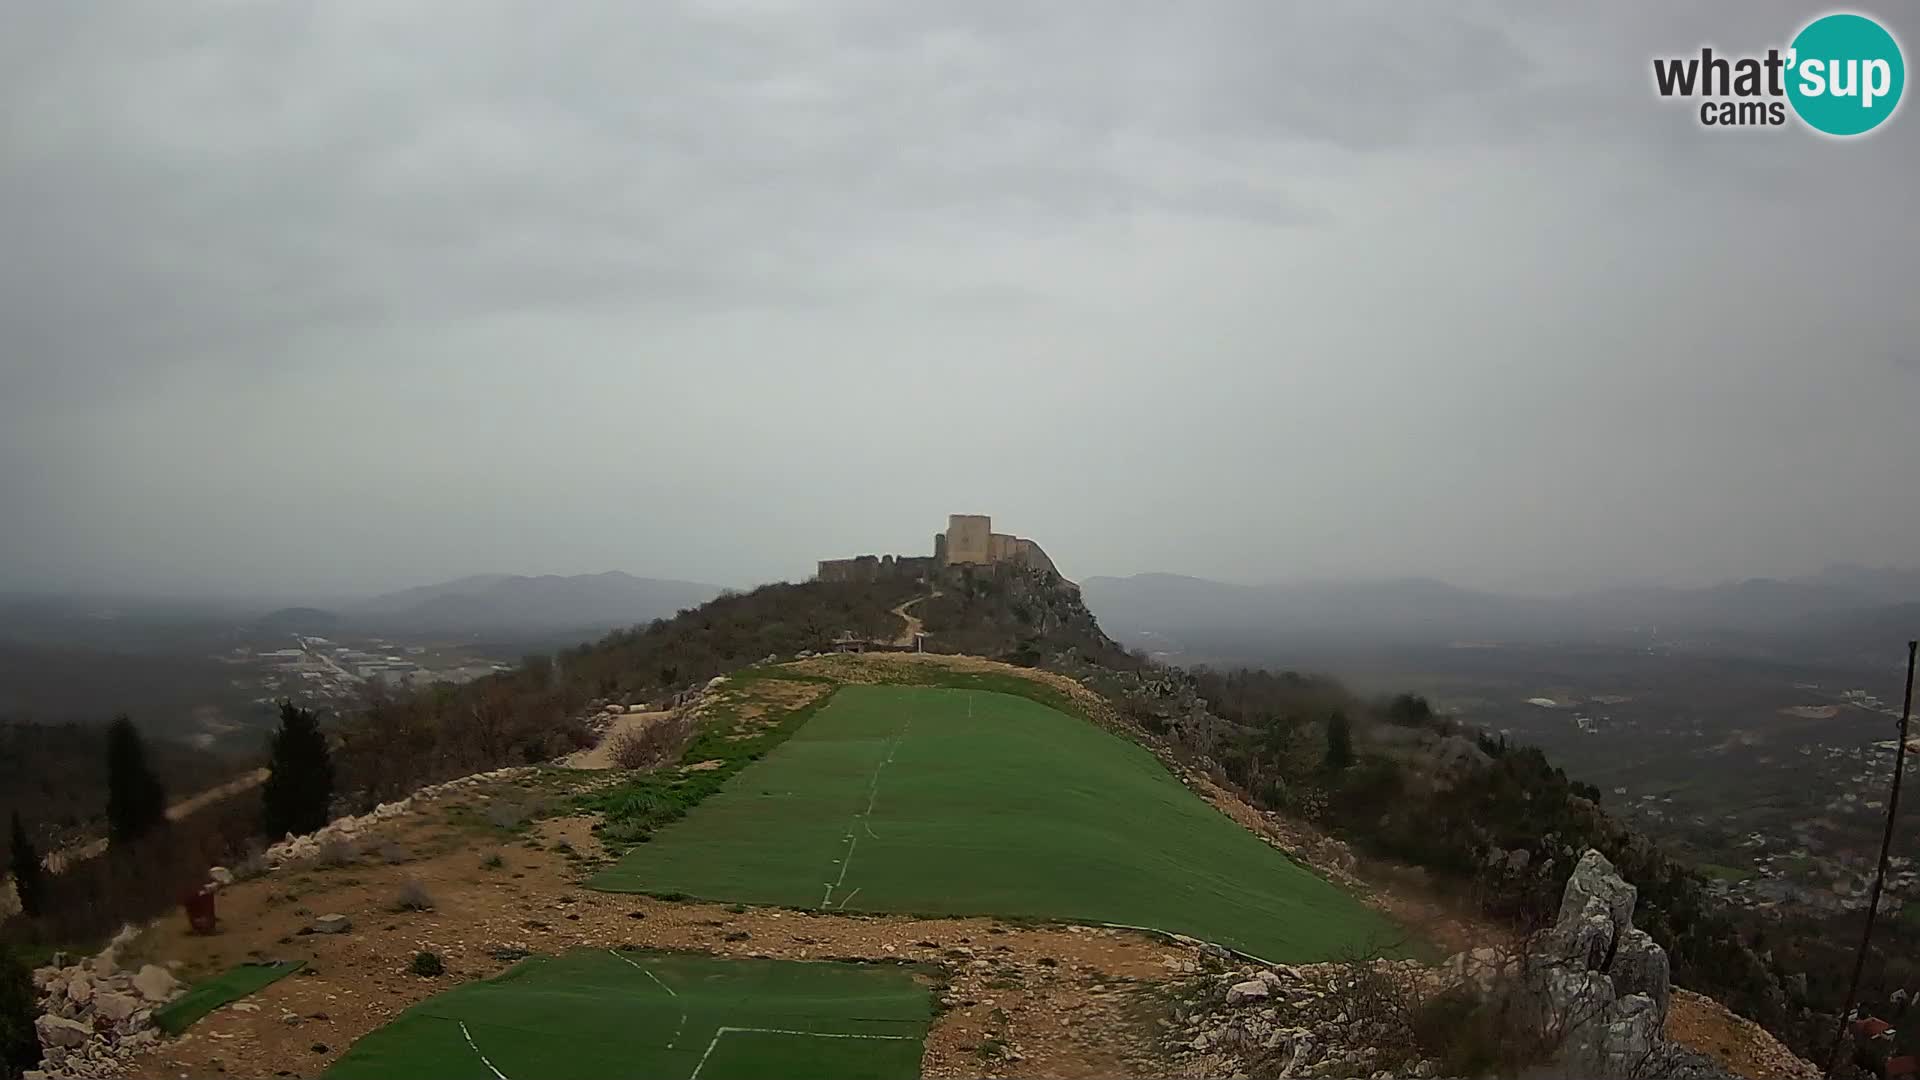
1880 875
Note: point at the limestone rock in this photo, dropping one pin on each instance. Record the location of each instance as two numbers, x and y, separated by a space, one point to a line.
220 876
156 983
1598 984
1594 878
80 988
60 1031
115 1007
331 924
1640 967
1243 992
1584 941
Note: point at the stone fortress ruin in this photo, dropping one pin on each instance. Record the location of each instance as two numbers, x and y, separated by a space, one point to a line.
969 540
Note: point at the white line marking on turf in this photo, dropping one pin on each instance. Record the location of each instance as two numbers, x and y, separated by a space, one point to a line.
784 1031
847 899
682 1025
873 786
873 794
476 1050
852 842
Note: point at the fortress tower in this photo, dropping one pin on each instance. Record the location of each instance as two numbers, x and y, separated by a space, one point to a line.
968 541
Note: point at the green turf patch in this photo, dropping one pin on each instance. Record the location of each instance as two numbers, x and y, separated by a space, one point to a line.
596 1013
941 801
209 994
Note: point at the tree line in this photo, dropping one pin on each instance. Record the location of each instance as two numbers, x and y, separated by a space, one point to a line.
149 862
1495 822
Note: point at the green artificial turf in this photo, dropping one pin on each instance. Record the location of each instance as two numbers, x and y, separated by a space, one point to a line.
209 994
596 1013
943 801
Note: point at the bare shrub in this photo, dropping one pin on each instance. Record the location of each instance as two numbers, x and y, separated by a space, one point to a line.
337 851
1380 1003
251 864
1484 1015
393 854
1475 1017
506 814
655 744
413 896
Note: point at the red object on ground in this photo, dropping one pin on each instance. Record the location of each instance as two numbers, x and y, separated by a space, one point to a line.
199 907
1902 1066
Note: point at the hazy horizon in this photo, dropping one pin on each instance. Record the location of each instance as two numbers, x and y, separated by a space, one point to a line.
324 302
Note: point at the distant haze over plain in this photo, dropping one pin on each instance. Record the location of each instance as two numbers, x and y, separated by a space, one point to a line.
328 300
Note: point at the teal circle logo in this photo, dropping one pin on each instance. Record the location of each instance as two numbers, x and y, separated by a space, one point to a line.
1845 74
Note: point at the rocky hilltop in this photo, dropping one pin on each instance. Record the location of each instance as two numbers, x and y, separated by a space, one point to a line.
1332 780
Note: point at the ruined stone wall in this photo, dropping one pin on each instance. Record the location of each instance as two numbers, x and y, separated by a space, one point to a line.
1001 547
1028 554
867 568
909 567
860 568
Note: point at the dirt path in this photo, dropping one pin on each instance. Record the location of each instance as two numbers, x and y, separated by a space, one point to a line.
66 856
601 755
914 626
59 860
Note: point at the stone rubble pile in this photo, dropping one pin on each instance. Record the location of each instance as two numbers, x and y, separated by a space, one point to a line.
298 849
1286 1021
1594 989
94 1016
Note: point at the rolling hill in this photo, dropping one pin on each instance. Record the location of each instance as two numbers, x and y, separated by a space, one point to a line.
492 603
1831 615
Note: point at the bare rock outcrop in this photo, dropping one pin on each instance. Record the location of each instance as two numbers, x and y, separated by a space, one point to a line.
1599 986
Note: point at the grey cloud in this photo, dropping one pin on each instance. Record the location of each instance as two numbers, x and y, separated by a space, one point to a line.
1334 289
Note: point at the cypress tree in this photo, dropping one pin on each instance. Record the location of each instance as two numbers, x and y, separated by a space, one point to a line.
135 801
29 879
1339 741
300 788
19 1043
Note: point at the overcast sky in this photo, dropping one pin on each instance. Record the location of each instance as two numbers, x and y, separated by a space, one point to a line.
326 297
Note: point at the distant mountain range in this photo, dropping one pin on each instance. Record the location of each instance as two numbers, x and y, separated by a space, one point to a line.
488 604
1845 613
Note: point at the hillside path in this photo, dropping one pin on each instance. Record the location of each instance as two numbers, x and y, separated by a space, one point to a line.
73 853
914 625
600 755
67 856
